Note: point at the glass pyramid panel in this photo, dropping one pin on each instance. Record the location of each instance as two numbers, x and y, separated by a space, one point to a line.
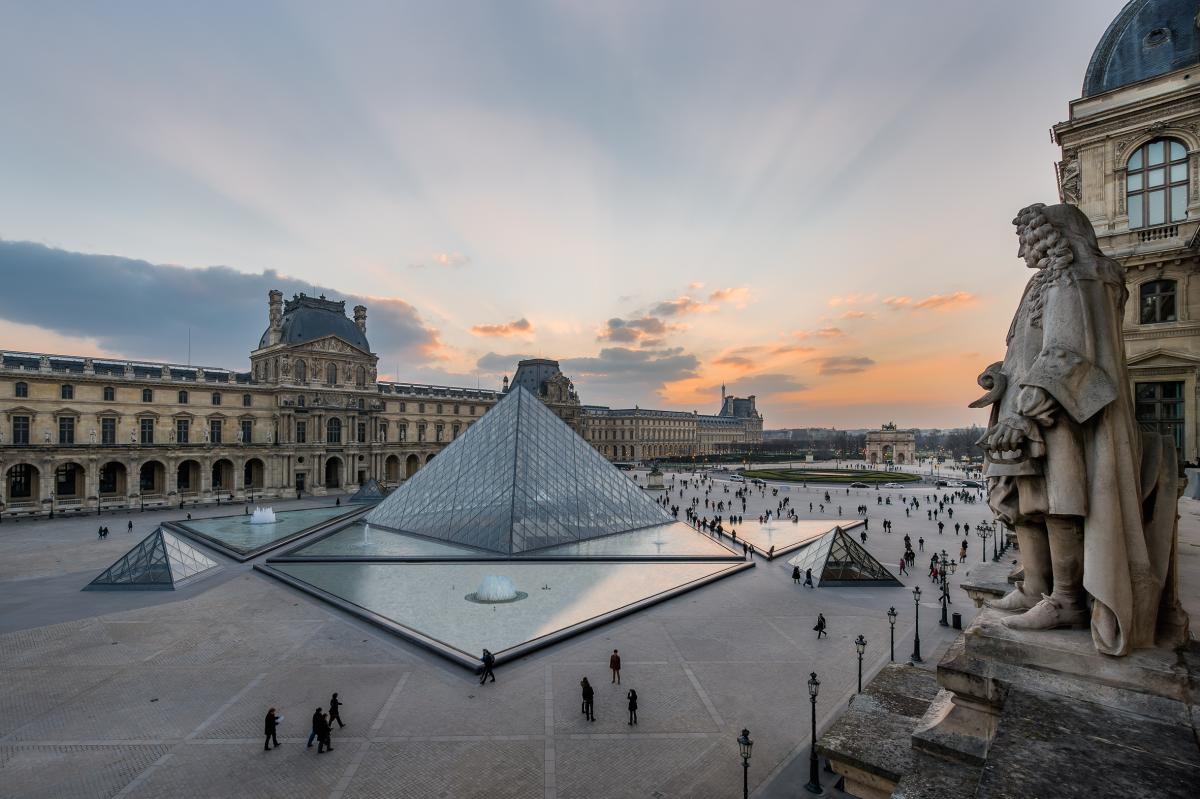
517 480
837 559
370 491
160 560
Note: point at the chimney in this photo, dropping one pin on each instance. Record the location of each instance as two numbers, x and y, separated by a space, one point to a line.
274 315
360 317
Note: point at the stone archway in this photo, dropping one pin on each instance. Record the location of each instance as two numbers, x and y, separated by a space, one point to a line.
333 472
222 475
113 480
152 478
187 477
22 484
429 457
411 465
391 469
69 480
252 473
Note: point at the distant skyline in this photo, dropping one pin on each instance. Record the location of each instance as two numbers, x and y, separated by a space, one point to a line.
806 202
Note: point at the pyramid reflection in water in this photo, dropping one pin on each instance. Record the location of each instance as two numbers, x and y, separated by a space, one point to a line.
519 479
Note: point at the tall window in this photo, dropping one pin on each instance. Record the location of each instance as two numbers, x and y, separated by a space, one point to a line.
108 430
20 430
333 431
247 400
439 408
214 431
183 398
21 390
147 395
1157 301
403 407
362 432
360 377
454 430
66 392
439 432
146 430
247 431
301 372
181 431
66 429
301 432
331 374
110 394
216 398
1160 407
20 481
1156 183
420 407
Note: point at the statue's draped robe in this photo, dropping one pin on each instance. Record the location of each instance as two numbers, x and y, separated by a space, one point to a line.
1091 465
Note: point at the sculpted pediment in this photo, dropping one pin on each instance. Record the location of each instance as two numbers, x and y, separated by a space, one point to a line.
1160 358
331 344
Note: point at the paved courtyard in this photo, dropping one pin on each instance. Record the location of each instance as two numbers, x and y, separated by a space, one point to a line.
152 694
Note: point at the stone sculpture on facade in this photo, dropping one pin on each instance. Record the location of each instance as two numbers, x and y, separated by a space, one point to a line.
1092 500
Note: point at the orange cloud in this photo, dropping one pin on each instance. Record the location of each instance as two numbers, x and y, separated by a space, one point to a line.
934 302
851 299
824 332
737 295
855 315
514 328
680 306
441 260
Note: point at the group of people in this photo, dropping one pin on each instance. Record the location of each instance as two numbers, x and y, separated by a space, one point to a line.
322 727
589 693
102 533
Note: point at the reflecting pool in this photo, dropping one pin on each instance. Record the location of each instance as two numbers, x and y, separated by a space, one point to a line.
238 534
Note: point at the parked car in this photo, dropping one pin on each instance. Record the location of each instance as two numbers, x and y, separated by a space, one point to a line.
893 485
737 478
859 485
971 484
940 483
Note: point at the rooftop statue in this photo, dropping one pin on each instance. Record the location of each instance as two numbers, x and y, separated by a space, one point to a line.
1092 499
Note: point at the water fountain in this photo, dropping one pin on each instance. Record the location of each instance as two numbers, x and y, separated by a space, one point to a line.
263 516
495 589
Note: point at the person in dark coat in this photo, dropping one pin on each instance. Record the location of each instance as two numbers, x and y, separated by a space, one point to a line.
589 694
614 665
315 734
808 578
130 525
796 575
820 626
321 727
269 728
335 712
489 660
632 697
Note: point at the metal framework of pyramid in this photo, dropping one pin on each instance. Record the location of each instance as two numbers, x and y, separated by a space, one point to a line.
370 491
161 561
517 480
837 559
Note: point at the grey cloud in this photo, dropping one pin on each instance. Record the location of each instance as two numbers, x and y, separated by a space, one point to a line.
495 363
844 364
766 384
630 331
143 310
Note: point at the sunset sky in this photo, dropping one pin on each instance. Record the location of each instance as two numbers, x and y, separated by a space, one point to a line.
810 202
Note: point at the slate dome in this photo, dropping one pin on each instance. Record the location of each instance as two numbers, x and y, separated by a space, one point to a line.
1147 39
310 318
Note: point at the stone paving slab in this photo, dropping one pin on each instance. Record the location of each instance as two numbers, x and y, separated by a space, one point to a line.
32 691
79 771
450 702
424 769
667 701
636 767
243 769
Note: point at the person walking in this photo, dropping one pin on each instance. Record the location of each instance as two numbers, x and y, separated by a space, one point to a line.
488 660
903 570
269 727
322 727
614 665
315 733
808 578
335 712
130 528
100 532
632 697
820 626
589 695
796 575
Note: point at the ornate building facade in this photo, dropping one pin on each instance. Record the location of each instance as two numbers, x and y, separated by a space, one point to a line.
1131 162
889 445
84 434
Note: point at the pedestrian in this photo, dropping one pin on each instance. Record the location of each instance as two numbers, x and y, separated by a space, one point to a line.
488 660
863 536
796 575
322 725
589 694
614 665
130 527
962 553
315 733
808 578
100 532
335 712
269 728
921 543
902 569
632 697
820 626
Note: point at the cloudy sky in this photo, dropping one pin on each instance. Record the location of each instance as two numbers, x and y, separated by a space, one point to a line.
806 201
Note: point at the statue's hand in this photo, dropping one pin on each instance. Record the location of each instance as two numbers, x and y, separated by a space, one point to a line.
1036 403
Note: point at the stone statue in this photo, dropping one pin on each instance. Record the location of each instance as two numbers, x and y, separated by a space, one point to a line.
238 436
132 437
46 436
92 436
205 436
1092 500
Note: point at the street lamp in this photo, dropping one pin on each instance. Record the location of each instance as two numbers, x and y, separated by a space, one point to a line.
860 644
744 746
983 532
891 614
814 778
995 534
916 655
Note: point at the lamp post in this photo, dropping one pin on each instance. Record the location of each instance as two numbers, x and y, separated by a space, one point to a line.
860 644
891 614
814 777
983 532
744 747
996 552
916 653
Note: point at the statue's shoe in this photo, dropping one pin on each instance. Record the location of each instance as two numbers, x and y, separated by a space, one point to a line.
1013 600
1048 614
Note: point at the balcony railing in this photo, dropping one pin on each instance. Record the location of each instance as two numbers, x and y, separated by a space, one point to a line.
1158 233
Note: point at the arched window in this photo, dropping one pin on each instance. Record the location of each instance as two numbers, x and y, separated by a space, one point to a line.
183 398
21 389
66 392
247 400
333 431
1157 302
301 372
110 394
1156 183
216 398
147 395
331 373
360 377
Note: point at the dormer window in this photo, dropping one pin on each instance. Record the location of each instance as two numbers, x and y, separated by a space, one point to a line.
1156 184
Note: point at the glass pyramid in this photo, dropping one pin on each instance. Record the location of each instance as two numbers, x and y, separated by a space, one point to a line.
161 561
370 491
837 559
517 480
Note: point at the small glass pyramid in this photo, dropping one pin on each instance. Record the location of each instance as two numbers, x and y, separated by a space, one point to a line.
370 491
517 480
160 561
837 559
